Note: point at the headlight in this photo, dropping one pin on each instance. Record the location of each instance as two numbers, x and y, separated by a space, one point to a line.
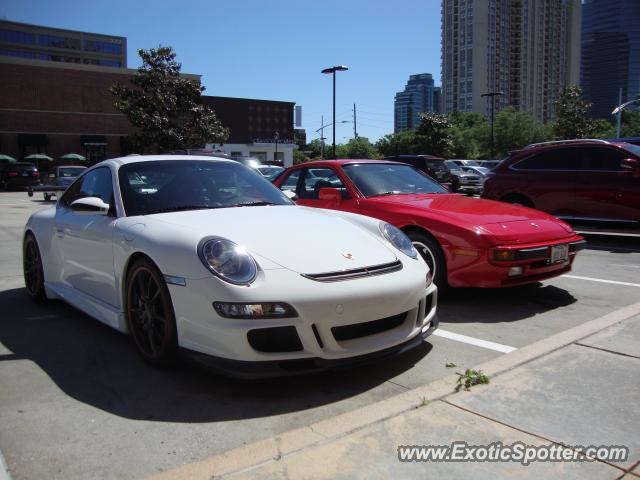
463 179
398 239
229 261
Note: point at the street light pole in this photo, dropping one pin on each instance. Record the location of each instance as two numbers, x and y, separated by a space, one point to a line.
321 130
493 96
618 111
275 155
333 70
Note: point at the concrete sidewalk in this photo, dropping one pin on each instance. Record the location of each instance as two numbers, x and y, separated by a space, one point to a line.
579 387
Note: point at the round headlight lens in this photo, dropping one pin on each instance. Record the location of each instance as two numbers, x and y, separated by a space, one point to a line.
228 260
398 239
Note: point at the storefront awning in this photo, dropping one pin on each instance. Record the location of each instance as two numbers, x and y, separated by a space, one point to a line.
93 140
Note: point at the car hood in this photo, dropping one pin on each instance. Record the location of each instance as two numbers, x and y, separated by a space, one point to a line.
305 240
504 221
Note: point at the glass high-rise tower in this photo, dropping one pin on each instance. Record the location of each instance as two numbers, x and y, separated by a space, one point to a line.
419 95
610 53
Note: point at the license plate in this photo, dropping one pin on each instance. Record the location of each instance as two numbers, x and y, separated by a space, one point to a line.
559 253
25 174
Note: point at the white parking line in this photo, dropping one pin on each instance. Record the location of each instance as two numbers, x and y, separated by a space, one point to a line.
474 341
601 280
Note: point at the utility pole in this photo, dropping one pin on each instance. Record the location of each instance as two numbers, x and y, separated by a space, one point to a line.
619 114
355 130
321 137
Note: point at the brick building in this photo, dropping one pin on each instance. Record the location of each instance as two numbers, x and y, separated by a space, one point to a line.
58 108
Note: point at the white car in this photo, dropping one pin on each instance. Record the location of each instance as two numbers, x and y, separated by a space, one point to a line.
206 257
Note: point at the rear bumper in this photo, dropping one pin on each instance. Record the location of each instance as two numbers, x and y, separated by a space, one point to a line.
280 368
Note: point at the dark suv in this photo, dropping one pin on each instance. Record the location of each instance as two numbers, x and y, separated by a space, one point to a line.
573 179
429 164
19 175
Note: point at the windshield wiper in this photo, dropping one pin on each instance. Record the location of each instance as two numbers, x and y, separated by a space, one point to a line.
253 204
394 192
180 208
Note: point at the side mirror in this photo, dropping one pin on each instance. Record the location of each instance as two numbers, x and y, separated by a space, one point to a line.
290 195
632 164
331 195
90 206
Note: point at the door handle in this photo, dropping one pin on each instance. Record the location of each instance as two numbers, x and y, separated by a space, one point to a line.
60 232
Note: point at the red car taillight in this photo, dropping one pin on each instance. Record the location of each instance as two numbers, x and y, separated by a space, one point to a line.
36 174
12 174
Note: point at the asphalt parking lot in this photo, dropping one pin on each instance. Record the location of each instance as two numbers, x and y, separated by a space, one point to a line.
76 401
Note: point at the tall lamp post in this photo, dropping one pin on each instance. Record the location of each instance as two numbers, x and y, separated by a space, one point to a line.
322 138
493 96
333 70
618 112
275 155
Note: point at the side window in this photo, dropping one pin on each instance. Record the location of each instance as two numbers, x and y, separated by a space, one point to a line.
603 159
317 178
291 182
556 159
96 183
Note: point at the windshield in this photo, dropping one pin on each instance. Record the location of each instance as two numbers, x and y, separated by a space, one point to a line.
632 148
174 185
68 172
373 179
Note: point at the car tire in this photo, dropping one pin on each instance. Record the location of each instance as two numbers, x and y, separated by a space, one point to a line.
518 200
455 185
47 197
432 254
149 313
32 269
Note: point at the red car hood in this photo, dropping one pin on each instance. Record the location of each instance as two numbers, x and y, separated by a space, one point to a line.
504 221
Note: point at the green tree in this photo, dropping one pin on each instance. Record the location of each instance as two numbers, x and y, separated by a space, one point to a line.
165 107
629 123
433 135
360 147
514 129
572 115
603 129
401 143
299 157
469 133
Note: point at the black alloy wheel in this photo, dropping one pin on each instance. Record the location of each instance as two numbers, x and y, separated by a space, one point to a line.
32 268
150 315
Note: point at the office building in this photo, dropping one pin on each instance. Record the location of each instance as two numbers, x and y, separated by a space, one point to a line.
610 53
21 40
527 49
417 97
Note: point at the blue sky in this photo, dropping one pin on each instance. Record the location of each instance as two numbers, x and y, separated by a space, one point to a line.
274 49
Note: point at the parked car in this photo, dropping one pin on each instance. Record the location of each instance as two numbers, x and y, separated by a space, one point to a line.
61 176
270 172
19 175
465 163
579 179
429 164
207 257
468 183
482 172
467 242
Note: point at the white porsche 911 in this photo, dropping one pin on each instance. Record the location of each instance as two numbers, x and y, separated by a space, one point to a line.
205 256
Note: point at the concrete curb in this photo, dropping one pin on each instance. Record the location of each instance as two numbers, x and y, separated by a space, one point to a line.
274 448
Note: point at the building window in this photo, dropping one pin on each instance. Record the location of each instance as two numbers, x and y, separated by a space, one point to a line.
103 47
16 53
59 42
13 36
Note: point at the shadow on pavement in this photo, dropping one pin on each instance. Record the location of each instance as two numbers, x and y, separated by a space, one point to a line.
613 244
96 365
496 305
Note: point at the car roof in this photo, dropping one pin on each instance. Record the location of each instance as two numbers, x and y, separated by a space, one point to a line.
120 161
341 162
